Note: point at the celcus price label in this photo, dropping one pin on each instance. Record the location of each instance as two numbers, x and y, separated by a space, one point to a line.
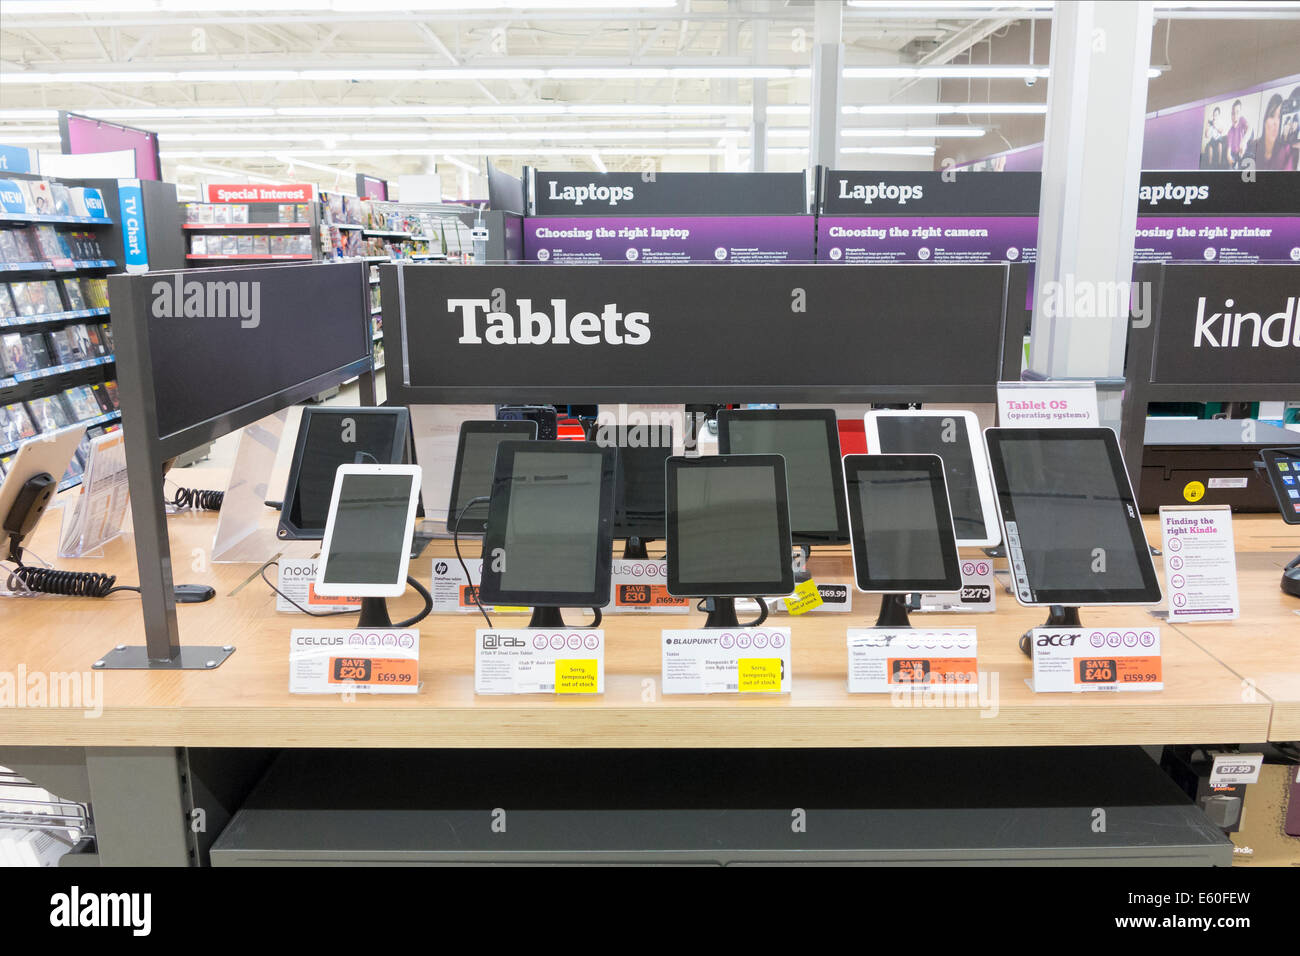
642 586
1096 659
371 660
727 660
527 661
977 591
297 584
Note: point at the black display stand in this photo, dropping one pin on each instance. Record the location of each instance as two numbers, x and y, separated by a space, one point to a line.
893 611
544 617
374 613
1058 615
722 613
634 549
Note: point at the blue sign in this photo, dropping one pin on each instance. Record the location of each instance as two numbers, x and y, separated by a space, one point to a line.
131 200
15 159
12 198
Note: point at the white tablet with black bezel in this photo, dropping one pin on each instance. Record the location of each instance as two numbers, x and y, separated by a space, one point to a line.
900 525
1070 520
954 436
367 544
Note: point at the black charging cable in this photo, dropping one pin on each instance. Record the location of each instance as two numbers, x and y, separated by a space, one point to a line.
757 622
53 581
420 588
197 499
455 540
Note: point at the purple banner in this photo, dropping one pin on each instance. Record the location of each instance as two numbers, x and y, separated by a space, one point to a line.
1241 239
660 239
861 239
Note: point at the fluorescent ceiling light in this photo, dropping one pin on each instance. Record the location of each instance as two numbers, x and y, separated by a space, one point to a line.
954 4
600 166
369 112
891 150
295 161
956 71
884 132
441 74
471 151
213 171
939 109
29 7
462 164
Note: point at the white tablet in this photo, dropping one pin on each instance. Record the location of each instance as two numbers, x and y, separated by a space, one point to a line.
955 437
47 454
367 544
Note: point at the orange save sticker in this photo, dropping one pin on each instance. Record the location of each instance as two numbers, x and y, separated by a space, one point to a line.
317 600
932 670
397 672
1118 670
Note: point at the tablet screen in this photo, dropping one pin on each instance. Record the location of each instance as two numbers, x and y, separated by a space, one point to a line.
1283 466
639 497
476 457
1072 527
809 441
901 525
369 539
728 529
949 437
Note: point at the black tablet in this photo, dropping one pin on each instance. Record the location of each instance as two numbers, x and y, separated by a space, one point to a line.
640 504
1283 467
476 454
809 440
954 436
900 524
550 525
728 526
1070 520
329 437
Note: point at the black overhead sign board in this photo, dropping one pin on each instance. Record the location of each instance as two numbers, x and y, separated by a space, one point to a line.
855 192
667 194
693 333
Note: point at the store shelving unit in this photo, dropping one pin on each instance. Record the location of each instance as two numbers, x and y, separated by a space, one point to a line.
263 226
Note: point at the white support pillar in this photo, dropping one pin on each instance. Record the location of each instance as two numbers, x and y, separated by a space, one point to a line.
1092 156
827 64
758 121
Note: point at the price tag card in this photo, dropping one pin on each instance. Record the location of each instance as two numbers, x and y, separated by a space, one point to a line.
371 660
727 661
297 579
1087 659
642 586
1233 769
525 661
886 659
1200 563
976 592
834 599
451 591
1047 404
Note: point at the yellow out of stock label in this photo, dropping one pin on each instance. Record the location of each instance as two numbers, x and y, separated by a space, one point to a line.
759 674
805 598
575 677
1193 491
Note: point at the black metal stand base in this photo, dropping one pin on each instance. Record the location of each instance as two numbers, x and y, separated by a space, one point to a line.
1057 616
1291 578
374 613
634 549
722 613
190 657
893 611
544 617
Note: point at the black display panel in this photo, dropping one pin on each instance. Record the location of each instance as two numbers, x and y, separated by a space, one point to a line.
804 333
667 194
901 524
226 346
550 525
809 440
1283 468
327 438
728 526
476 456
369 540
1069 517
640 500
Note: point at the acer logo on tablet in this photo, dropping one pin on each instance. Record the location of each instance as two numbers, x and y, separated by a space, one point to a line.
548 326
1226 329
195 299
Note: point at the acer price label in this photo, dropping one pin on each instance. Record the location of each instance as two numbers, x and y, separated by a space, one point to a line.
368 660
1096 658
297 580
724 660
559 660
887 659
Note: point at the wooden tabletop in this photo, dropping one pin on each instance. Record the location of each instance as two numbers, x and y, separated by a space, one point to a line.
1223 683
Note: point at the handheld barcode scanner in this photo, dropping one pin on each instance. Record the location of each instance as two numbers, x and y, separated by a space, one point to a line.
33 497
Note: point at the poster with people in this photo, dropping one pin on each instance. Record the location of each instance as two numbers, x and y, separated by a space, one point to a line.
1227 130
1277 134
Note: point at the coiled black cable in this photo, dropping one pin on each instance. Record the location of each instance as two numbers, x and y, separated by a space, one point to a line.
198 499
66 583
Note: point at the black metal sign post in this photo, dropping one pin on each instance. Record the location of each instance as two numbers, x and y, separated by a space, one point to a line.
202 352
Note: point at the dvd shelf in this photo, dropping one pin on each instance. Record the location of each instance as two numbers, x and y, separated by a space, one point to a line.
249 231
58 242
